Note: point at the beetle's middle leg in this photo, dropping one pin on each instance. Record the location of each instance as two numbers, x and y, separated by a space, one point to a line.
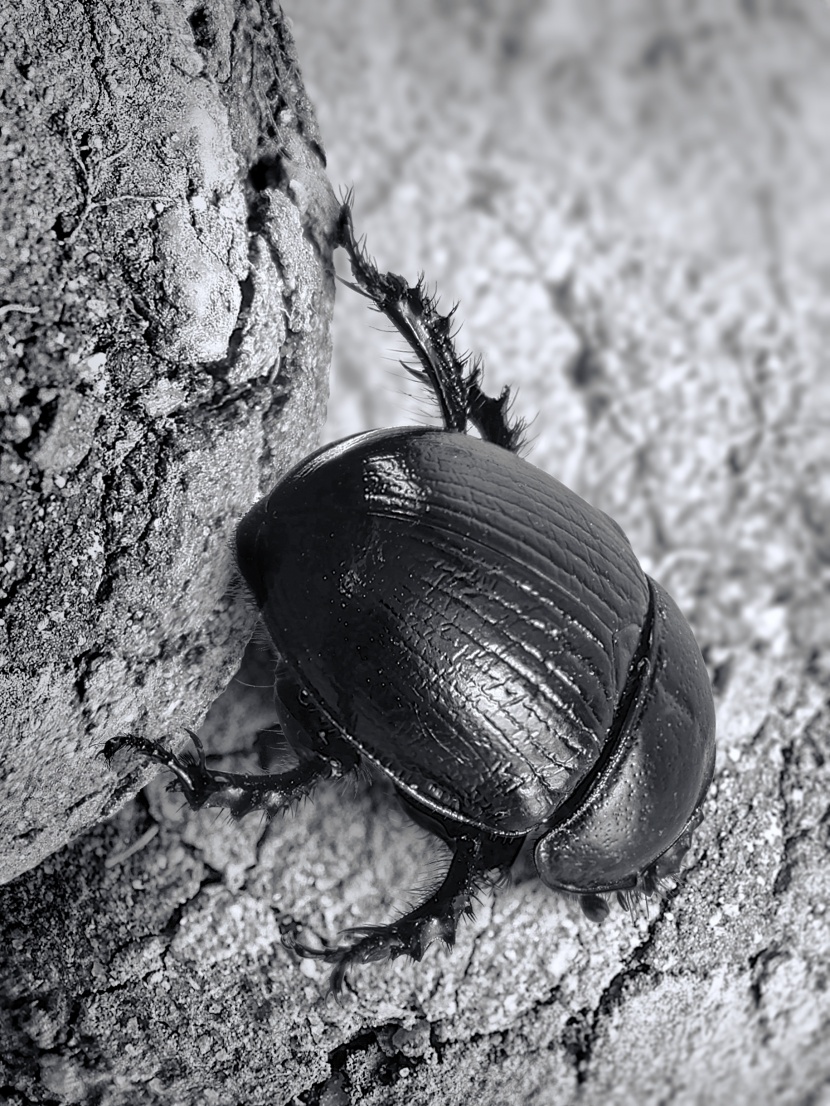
455 379
238 792
435 919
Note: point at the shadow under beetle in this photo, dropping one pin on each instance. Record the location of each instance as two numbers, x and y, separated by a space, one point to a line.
468 625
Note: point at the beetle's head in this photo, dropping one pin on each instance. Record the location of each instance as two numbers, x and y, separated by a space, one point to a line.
628 825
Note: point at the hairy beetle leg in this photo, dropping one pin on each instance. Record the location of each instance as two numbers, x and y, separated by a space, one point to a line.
238 792
435 919
455 379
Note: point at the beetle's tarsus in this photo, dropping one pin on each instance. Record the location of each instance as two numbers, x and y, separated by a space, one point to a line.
413 310
436 919
237 792
408 937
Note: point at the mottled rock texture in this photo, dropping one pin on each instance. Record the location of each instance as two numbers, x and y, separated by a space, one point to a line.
630 201
165 295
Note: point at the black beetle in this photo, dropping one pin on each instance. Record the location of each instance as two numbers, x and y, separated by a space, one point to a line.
481 634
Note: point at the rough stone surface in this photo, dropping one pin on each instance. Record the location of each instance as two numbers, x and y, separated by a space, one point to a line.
630 201
166 292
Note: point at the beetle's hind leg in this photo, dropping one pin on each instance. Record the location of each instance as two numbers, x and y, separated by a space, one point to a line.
238 792
435 919
455 379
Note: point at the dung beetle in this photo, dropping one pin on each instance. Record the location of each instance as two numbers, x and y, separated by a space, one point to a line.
478 632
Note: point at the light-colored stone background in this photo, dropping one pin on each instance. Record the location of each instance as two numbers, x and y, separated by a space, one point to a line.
630 202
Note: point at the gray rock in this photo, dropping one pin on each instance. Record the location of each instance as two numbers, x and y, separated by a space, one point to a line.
630 201
167 288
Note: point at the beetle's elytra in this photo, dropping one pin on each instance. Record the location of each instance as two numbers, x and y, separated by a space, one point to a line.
482 635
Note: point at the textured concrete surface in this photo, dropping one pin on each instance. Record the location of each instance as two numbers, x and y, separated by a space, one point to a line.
630 201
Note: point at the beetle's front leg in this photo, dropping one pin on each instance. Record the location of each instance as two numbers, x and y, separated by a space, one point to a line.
238 792
435 919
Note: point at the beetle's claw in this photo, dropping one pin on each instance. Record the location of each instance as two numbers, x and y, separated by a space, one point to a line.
153 750
338 955
290 942
112 746
408 937
191 775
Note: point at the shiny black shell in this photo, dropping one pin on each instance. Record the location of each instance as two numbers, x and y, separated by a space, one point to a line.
475 629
